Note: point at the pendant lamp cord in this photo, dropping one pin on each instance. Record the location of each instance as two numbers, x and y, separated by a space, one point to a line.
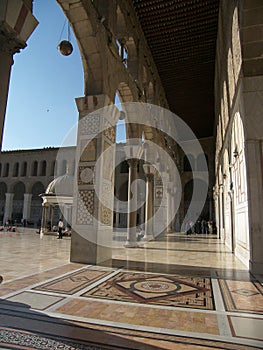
68 32
63 31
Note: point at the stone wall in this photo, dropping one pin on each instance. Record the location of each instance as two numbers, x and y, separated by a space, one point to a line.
24 174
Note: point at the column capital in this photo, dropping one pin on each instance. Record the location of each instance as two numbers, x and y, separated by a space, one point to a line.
90 103
10 45
133 162
17 24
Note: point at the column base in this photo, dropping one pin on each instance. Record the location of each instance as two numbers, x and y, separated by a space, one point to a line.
255 268
147 239
131 244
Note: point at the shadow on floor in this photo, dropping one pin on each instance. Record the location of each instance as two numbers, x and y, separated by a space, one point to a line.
22 328
240 275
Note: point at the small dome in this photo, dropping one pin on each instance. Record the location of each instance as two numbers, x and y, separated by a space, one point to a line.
61 186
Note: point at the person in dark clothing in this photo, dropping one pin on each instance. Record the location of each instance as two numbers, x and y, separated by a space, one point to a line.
60 228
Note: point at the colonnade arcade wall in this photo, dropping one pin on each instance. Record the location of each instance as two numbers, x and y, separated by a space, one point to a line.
238 191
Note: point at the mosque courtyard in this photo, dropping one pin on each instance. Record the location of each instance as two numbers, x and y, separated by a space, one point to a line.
183 292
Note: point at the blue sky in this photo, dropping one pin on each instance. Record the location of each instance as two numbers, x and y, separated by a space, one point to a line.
41 107
44 84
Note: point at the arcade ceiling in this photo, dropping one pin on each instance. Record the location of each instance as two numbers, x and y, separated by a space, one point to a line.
181 35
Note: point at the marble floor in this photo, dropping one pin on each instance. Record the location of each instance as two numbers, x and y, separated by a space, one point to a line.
177 292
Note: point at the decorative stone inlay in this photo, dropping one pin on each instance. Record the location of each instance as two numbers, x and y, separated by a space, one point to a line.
88 151
245 292
90 125
110 132
85 207
154 286
106 145
106 215
158 181
85 175
158 192
166 290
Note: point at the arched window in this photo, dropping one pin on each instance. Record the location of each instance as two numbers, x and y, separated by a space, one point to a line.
16 169
3 190
123 53
43 168
52 171
6 170
124 167
64 166
120 126
37 189
24 169
19 190
34 168
200 189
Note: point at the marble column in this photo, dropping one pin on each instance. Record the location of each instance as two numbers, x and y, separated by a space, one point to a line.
254 158
27 205
43 229
92 222
169 209
132 205
221 213
8 206
149 207
117 223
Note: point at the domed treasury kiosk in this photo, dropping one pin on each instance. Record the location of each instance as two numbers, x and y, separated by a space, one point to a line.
57 203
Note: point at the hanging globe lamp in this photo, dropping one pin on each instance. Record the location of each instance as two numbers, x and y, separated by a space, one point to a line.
65 47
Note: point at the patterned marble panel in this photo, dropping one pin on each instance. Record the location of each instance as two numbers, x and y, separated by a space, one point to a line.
158 181
158 192
242 296
168 341
110 132
106 215
35 300
138 315
246 327
90 125
20 339
85 175
85 207
88 150
106 145
10 287
192 292
74 282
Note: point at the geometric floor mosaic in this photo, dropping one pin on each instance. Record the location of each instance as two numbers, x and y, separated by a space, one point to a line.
166 290
242 296
19 339
74 282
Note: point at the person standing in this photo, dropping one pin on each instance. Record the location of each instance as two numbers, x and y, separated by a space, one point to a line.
60 228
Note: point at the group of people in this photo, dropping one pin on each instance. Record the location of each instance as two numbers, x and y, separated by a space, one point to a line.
8 227
200 226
